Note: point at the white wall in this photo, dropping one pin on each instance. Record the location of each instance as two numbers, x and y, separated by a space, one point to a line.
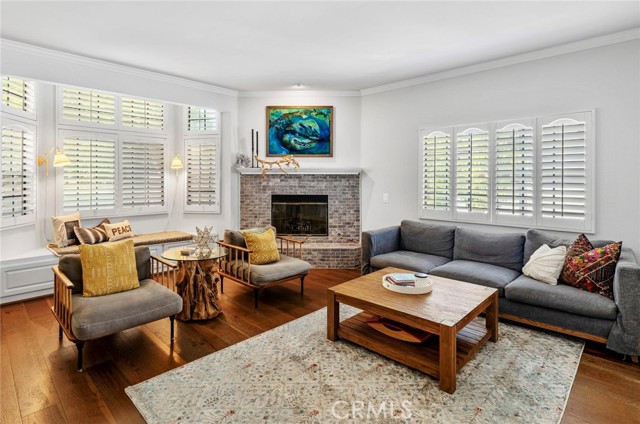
605 78
346 125
52 67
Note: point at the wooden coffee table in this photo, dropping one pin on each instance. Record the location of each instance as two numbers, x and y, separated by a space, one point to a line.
447 312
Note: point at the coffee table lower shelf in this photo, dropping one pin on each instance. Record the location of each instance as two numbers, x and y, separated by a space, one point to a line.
423 356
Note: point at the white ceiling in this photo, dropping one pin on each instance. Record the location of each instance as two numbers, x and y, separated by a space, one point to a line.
256 46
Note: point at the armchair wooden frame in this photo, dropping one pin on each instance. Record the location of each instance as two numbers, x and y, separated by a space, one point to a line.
162 271
240 255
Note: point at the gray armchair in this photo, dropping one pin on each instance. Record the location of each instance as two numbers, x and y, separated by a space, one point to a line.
237 265
88 318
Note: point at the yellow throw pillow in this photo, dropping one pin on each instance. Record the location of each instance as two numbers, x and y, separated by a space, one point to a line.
264 248
108 268
118 231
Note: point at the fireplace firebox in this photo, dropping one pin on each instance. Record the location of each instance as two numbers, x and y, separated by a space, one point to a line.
300 214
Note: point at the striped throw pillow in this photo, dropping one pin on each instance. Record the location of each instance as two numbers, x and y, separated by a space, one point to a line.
90 235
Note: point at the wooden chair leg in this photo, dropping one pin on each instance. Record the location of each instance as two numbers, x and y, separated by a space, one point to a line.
302 286
60 332
221 284
79 346
256 293
172 318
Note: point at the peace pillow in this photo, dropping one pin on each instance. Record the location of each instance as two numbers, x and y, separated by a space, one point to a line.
118 231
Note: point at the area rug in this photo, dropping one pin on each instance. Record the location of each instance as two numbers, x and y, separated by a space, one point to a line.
293 374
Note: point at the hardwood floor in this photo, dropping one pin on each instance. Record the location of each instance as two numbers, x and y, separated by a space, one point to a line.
39 382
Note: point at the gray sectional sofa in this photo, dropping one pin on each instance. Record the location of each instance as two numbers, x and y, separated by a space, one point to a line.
496 260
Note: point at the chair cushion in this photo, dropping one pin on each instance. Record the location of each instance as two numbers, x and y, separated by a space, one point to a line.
503 250
108 268
480 273
264 249
95 317
71 266
561 297
413 261
431 239
263 274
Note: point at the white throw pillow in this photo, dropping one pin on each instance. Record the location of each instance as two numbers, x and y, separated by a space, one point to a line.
63 229
118 230
546 264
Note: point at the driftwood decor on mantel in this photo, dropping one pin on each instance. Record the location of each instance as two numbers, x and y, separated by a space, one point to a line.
287 160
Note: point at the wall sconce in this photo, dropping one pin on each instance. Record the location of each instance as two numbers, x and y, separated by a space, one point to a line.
177 164
59 159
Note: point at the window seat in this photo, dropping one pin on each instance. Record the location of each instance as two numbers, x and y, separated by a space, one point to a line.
145 239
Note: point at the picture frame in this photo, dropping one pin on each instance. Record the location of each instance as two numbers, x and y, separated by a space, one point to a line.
302 131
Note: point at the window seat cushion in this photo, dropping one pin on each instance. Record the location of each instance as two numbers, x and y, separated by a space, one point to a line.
145 239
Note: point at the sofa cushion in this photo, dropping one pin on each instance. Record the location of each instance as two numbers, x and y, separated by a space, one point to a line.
536 238
503 250
561 297
95 317
108 268
488 275
427 238
264 248
412 261
263 274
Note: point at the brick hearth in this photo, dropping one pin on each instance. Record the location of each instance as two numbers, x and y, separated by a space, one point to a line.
341 247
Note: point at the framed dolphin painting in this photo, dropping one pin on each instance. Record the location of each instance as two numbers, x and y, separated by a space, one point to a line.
300 131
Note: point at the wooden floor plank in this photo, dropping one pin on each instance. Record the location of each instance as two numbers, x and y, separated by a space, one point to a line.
50 415
34 386
605 389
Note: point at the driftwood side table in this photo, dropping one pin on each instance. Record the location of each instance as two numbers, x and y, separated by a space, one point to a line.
197 282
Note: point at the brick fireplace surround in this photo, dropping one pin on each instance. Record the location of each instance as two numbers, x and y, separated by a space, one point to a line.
341 247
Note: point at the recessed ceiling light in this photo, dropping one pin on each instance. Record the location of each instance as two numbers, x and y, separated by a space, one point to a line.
298 85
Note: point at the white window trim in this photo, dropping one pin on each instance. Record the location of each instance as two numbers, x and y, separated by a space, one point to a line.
93 213
590 197
477 217
202 208
117 126
143 210
506 220
424 213
84 124
20 221
128 128
185 121
33 116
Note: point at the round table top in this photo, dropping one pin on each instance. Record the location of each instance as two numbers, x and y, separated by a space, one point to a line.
177 254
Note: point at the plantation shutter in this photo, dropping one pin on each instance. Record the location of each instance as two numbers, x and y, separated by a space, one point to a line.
140 113
18 174
143 174
18 95
201 119
514 181
436 174
202 176
564 172
89 180
88 106
472 174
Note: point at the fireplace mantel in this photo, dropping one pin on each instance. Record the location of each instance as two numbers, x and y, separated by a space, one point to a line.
303 171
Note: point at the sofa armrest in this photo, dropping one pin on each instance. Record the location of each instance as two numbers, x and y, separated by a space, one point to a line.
378 242
625 334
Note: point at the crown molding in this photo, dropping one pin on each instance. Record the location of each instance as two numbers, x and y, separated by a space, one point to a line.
605 40
299 93
10 45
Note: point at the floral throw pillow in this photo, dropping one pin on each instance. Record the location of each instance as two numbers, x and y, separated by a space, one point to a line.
593 271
